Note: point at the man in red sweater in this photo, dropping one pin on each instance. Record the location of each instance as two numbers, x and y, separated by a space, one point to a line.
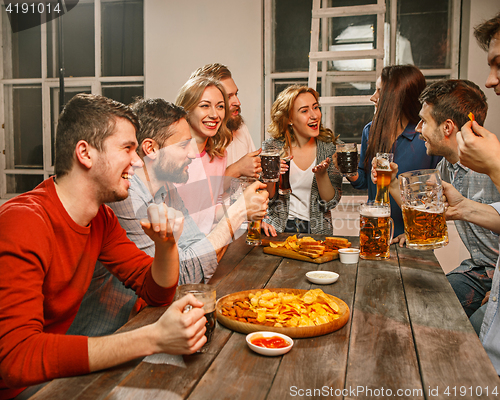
50 240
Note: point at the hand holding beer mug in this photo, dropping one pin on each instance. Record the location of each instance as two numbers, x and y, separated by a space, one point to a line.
383 168
376 229
423 209
207 295
347 159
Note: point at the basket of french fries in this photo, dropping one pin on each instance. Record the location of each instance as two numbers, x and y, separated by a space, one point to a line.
293 312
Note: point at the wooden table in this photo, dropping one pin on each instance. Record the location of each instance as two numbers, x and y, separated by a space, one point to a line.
408 337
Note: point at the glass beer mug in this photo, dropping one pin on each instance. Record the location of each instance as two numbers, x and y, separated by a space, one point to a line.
347 158
376 229
423 209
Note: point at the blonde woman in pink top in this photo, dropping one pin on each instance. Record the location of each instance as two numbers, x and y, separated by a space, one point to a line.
206 104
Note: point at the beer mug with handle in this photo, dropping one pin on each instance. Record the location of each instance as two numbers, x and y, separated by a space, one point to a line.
423 209
376 229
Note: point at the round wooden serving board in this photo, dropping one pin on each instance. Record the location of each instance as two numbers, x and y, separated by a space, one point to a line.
293 332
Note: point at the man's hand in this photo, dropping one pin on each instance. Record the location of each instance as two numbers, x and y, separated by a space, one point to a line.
453 201
164 224
249 164
268 229
256 201
478 148
178 332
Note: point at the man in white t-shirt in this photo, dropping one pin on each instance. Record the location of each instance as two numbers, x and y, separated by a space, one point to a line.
242 158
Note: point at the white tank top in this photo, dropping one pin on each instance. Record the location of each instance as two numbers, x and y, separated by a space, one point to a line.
301 183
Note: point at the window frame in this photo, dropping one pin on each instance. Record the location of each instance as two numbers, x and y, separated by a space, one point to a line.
328 77
47 84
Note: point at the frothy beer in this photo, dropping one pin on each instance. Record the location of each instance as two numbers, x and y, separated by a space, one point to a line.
425 227
375 233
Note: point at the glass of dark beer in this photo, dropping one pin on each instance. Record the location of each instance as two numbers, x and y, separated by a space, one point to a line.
284 186
207 295
347 158
270 162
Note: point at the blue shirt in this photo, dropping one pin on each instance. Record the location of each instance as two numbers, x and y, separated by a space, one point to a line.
490 329
409 153
481 243
107 303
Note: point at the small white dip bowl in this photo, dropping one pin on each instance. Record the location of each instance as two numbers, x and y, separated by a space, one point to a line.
322 277
349 256
265 350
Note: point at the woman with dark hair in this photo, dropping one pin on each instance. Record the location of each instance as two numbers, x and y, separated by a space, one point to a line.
393 130
316 184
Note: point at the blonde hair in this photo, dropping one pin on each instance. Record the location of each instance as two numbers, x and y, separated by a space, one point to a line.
189 97
280 128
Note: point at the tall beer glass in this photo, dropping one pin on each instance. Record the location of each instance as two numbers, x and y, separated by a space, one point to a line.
376 229
284 179
384 171
423 209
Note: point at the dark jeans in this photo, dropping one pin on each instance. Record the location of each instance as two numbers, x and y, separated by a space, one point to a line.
297 225
470 288
476 319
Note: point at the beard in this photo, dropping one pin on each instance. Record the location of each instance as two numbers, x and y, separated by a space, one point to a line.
234 122
166 171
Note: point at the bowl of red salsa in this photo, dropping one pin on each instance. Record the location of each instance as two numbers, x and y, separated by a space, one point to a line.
269 343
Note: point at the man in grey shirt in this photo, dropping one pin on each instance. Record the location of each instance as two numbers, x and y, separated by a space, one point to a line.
164 146
445 108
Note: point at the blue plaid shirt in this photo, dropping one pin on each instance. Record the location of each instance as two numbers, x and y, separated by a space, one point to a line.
490 329
481 243
108 303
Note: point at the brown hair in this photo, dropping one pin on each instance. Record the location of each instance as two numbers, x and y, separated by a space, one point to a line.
454 99
215 71
485 31
401 86
156 116
90 118
189 97
279 127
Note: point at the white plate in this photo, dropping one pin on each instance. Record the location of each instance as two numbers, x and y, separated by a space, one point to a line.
322 277
264 350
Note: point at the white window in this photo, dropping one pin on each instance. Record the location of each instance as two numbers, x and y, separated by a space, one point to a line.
103 53
424 33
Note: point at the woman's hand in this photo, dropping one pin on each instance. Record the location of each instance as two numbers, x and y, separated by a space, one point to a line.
322 167
401 239
268 229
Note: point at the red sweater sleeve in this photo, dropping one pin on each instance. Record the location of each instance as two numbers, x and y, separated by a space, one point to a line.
30 351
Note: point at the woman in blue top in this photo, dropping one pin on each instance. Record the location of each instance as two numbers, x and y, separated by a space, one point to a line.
393 130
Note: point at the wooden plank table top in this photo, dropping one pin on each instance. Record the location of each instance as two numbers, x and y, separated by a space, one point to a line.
407 338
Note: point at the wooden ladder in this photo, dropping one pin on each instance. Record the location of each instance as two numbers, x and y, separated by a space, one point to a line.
315 55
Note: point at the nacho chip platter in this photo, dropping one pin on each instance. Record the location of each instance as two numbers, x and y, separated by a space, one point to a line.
293 332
